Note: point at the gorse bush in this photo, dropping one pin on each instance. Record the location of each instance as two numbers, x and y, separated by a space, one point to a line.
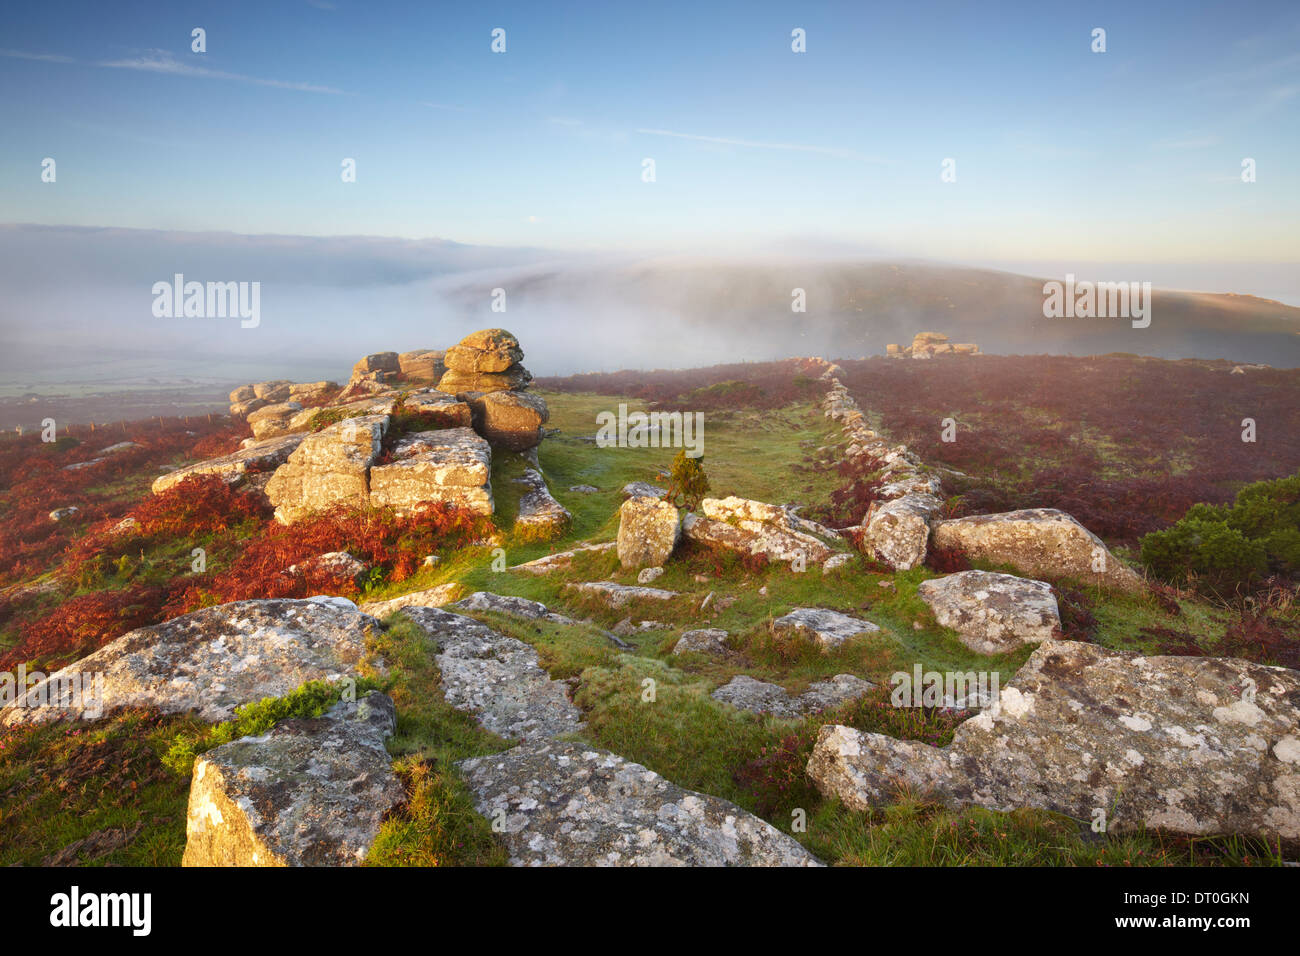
687 482
1227 549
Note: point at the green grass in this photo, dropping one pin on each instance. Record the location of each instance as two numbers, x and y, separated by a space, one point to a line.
66 783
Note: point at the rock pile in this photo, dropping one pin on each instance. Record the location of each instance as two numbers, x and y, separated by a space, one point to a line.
305 457
251 398
484 371
926 345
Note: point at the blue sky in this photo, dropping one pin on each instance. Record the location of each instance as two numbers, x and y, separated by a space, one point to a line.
1061 154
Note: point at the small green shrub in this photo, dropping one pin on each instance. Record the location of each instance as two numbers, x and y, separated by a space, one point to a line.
1224 548
687 484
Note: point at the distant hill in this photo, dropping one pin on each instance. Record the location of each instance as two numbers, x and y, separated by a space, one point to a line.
719 311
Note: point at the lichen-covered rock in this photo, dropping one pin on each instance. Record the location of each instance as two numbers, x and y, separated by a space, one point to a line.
828 628
449 465
993 613
897 533
439 596
617 595
539 514
465 383
563 804
377 362
328 468
642 489
835 562
509 419
210 661
466 358
833 691
448 411
760 697
496 678
336 564
909 483
310 792
259 456
271 420
242 409
1186 744
648 530
709 640
273 391
311 391
509 604
1036 541
422 365
758 529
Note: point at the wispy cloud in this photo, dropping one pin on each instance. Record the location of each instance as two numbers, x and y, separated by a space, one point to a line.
755 144
161 61
447 106
44 57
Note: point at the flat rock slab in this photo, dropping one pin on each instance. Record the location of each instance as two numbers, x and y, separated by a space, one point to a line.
209 662
1036 541
561 560
757 529
760 697
828 628
1194 745
539 513
709 640
993 613
643 489
310 792
439 596
563 804
617 595
514 606
257 457
496 678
